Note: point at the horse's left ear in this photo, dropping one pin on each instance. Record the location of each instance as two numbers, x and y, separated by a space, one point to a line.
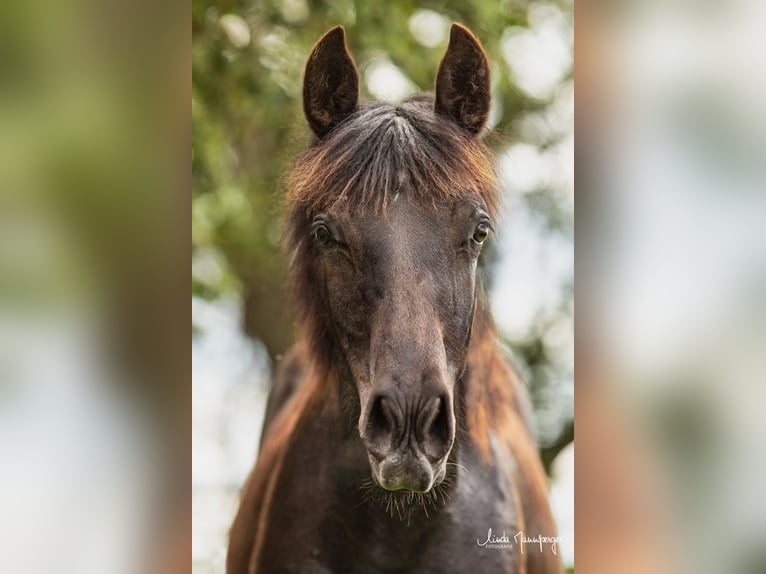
462 82
331 83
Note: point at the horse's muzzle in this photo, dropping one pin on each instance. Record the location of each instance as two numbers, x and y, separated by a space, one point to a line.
409 472
408 438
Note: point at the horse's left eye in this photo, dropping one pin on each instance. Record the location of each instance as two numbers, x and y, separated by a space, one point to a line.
481 232
323 235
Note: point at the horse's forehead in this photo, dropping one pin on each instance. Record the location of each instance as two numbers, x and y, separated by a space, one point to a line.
401 216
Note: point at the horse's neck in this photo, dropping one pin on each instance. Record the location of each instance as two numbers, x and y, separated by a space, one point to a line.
494 394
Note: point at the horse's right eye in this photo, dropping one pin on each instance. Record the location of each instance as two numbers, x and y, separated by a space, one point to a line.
323 235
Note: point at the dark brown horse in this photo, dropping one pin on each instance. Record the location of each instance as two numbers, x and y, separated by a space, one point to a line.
396 434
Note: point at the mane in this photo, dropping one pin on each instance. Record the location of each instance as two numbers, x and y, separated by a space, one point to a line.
377 152
382 150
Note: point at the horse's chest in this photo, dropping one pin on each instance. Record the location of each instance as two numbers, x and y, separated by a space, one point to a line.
366 540
324 523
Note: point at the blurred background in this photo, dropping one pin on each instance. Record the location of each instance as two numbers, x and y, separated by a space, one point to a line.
247 125
671 260
94 362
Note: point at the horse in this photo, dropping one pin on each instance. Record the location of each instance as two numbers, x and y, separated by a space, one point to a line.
397 434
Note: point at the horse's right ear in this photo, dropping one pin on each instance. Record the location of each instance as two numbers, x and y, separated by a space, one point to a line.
330 84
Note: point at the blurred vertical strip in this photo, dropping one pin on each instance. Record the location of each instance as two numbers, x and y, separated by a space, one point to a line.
671 263
94 318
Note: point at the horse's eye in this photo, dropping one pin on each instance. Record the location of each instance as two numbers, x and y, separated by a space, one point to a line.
323 235
481 232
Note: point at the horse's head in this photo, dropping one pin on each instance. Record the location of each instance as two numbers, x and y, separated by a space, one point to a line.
390 208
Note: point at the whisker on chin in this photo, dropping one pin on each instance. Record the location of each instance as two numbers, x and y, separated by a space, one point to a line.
404 505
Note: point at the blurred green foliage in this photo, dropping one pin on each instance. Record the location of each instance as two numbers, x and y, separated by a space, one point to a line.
247 63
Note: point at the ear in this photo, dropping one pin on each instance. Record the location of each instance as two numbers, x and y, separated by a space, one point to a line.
462 82
330 84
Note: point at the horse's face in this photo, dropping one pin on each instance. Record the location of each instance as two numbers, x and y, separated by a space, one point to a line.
400 285
401 292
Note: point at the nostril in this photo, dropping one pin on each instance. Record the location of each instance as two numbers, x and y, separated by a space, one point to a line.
437 430
440 426
381 422
380 416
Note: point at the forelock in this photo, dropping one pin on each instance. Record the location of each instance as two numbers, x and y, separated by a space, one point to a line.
381 151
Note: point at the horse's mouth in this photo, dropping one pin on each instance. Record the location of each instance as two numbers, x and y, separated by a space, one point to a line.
407 503
407 474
